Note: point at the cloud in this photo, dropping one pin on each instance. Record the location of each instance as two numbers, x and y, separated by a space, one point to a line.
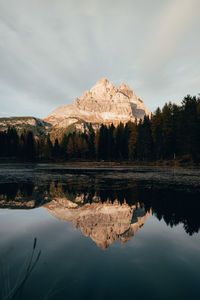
52 51
167 32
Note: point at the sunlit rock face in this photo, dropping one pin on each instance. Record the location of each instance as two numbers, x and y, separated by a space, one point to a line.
103 103
104 222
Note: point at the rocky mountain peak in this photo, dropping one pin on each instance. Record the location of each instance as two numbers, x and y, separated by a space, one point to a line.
103 89
103 103
126 90
124 86
103 81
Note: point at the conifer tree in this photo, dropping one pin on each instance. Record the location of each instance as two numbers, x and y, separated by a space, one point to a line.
70 147
167 128
157 134
29 145
91 142
56 149
132 139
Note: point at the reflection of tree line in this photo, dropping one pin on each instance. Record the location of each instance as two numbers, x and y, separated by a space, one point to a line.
176 207
172 205
19 195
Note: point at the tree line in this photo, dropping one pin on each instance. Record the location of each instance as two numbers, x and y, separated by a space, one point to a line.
173 132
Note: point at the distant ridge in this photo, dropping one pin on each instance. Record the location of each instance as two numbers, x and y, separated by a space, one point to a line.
38 126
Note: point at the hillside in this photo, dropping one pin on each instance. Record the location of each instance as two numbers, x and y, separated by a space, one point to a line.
37 126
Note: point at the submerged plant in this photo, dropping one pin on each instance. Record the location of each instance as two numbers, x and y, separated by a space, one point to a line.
15 292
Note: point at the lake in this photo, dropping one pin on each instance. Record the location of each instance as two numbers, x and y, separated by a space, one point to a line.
90 232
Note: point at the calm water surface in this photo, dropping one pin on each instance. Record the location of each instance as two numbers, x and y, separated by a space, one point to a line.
75 232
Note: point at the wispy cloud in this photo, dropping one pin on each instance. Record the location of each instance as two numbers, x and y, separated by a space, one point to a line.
168 31
52 51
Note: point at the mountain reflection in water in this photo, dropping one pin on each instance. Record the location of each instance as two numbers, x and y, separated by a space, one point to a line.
105 212
102 222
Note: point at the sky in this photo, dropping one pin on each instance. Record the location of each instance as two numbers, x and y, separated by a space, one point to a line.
53 50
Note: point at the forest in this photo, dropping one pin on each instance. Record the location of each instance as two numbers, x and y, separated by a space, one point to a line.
171 133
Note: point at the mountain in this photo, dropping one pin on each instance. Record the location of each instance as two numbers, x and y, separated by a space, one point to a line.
103 103
37 126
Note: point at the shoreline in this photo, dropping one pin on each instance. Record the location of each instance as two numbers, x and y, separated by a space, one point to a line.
102 164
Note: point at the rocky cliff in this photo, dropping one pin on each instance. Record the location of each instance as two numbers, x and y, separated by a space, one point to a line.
103 103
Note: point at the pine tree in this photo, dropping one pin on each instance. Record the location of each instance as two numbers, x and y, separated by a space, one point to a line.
48 148
132 139
120 147
30 146
191 125
56 149
91 142
157 134
70 147
110 143
167 127
102 143
144 146
96 144
12 144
